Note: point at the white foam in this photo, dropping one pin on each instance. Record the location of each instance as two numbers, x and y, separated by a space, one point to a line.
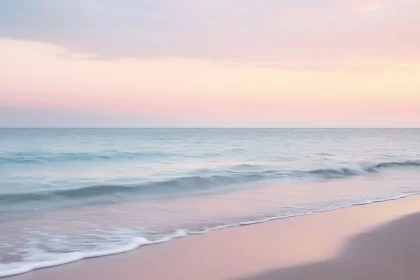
61 259
55 259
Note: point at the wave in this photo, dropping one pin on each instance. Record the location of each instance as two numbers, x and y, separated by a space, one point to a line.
135 242
162 188
359 169
27 157
409 163
193 184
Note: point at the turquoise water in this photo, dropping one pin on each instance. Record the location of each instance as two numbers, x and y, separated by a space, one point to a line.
70 194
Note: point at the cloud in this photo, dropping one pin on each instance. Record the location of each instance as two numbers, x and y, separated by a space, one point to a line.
301 32
370 7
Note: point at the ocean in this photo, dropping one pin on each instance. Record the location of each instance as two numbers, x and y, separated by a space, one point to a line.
72 194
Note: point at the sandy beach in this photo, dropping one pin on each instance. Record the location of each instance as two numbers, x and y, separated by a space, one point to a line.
376 241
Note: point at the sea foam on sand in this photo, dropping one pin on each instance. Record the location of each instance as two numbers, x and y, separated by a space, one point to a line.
376 239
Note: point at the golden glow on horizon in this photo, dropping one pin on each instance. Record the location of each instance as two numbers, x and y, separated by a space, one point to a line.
35 74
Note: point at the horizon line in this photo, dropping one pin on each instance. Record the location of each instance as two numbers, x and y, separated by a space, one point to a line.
180 127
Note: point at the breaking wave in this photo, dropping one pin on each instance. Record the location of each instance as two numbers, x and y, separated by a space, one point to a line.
195 184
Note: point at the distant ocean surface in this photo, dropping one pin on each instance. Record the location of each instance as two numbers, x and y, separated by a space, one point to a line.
70 194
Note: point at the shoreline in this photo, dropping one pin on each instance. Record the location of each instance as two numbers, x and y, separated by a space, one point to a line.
240 252
183 233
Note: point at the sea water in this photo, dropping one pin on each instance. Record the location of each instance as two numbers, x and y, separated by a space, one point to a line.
71 194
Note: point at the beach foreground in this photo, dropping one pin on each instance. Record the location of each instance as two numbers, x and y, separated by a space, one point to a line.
376 241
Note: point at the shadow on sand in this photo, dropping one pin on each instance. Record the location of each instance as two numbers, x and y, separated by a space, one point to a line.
390 251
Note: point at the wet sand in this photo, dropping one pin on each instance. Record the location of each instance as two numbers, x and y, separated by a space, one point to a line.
376 241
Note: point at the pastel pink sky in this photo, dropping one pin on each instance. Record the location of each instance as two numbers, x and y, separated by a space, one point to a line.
358 67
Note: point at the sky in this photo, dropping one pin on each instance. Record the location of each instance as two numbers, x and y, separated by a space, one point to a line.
219 63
